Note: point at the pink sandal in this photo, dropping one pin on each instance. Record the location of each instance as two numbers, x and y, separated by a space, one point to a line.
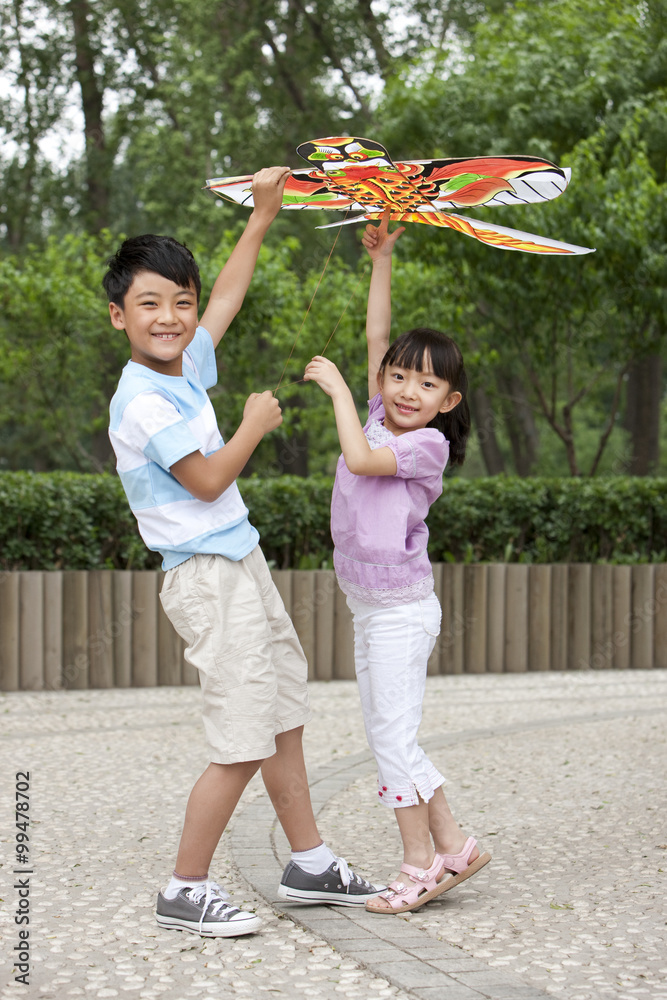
459 866
402 898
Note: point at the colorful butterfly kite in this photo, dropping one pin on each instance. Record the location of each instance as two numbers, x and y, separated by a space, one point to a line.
359 175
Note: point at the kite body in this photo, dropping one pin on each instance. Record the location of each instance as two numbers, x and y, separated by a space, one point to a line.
358 175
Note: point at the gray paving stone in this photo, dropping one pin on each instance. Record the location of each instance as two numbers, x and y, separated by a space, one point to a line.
449 991
411 975
461 963
571 908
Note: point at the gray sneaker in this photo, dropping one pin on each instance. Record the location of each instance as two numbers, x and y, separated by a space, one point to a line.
203 909
337 885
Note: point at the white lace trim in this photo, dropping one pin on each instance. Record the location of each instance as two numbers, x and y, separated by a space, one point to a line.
389 598
377 435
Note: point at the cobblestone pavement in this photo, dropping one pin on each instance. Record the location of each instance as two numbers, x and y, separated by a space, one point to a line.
562 777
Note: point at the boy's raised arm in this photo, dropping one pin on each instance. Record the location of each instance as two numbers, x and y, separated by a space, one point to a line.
380 244
232 283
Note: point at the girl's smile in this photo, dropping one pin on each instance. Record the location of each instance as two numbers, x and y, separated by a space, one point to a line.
413 398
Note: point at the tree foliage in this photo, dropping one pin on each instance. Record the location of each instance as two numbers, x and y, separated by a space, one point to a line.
114 114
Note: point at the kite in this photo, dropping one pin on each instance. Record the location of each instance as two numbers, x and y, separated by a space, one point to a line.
358 175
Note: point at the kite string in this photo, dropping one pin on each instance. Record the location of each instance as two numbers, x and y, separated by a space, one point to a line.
340 318
303 321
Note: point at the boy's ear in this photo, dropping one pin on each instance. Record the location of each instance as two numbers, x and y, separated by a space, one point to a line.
451 402
117 316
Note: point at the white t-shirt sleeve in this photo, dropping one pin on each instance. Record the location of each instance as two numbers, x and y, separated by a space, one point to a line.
202 354
157 429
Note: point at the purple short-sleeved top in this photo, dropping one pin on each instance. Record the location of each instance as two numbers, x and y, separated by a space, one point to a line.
377 522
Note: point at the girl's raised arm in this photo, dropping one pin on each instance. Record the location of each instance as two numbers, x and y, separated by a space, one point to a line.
380 244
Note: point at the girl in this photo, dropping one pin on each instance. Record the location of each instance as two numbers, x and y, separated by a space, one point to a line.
388 476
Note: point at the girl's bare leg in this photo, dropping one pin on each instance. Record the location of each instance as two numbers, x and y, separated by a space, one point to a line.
413 826
448 836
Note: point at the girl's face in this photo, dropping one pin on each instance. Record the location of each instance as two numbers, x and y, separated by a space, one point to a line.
413 398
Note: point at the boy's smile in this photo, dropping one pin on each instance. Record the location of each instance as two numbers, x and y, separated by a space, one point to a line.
159 318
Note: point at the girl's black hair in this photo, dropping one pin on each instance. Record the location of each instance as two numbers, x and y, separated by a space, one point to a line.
423 348
161 254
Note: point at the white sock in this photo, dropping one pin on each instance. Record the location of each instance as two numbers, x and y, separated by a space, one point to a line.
176 884
315 861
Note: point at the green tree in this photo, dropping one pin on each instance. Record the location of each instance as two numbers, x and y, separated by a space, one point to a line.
584 86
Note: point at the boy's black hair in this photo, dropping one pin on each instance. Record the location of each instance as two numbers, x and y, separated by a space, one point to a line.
161 254
421 348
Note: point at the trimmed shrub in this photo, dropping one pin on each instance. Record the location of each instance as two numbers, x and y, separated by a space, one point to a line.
64 520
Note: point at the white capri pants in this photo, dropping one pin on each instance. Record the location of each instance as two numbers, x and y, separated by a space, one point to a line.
391 649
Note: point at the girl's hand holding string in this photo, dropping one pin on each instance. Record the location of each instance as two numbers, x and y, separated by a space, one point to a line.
327 376
378 240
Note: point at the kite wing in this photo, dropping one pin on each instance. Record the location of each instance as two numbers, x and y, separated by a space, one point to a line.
301 191
352 174
485 232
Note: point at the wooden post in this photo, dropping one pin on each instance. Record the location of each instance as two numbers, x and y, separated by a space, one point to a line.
643 615
53 630
516 619
452 632
31 630
433 666
343 639
144 628
100 620
325 600
559 616
121 627
660 628
621 616
75 629
303 614
9 631
579 616
539 617
475 588
495 618
169 646
602 606
283 581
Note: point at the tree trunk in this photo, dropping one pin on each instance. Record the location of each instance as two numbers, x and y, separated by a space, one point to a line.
642 415
521 427
485 425
92 100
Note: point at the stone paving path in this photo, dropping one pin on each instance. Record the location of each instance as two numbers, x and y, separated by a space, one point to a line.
562 777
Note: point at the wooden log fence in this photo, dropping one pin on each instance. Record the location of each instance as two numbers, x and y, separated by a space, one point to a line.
102 629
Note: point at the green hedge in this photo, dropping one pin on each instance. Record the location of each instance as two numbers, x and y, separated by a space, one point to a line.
67 521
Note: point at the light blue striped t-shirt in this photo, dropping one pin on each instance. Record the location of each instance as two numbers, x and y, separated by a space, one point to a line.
155 420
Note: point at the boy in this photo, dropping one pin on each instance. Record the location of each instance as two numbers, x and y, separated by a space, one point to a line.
180 481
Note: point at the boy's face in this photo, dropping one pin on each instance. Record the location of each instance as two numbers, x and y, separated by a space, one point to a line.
159 319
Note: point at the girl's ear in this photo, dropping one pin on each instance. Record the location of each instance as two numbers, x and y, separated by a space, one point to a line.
380 380
452 401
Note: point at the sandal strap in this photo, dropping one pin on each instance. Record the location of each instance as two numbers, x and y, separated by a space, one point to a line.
423 875
458 862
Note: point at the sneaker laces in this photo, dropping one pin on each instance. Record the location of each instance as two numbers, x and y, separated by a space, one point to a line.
347 876
214 896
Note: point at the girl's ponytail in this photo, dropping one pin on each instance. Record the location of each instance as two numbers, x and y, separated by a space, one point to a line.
455 424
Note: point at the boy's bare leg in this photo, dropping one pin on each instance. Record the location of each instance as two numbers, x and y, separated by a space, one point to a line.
284 775
210 806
